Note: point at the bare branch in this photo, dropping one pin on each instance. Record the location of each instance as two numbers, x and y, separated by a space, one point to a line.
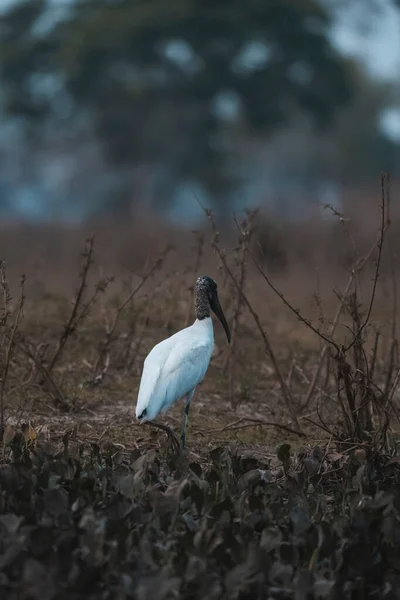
11 340
71 323
385 222
267 344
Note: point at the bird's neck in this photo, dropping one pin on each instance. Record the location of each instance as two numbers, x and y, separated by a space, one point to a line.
202 305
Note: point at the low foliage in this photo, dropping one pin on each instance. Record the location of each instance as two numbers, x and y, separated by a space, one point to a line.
90 521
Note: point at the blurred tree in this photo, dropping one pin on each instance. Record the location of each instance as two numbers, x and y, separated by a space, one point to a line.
358 149
165 83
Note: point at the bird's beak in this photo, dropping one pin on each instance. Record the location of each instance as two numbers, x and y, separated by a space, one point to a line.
216 307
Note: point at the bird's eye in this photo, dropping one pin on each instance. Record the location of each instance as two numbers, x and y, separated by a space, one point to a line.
143 414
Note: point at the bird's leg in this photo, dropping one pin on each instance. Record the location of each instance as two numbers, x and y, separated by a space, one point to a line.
189 397
168 430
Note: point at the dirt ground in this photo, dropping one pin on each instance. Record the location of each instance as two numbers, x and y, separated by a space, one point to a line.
147 289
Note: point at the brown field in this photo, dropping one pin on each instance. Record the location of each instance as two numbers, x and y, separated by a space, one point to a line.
309 262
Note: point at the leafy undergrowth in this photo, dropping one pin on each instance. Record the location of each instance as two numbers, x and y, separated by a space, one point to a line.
87 520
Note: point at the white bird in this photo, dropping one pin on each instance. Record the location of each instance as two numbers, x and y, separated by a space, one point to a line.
174 367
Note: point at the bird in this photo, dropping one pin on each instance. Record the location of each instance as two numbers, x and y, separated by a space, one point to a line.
173 368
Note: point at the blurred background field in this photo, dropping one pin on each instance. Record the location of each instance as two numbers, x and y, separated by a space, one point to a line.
117 107
122 118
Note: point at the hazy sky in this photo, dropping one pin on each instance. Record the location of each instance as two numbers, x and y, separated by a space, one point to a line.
378 48
373 39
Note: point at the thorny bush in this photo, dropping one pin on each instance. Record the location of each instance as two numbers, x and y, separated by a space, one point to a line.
90 521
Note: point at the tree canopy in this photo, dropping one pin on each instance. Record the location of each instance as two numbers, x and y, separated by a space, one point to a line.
166 83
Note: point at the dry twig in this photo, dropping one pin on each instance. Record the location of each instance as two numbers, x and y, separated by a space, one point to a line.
267 344
4 368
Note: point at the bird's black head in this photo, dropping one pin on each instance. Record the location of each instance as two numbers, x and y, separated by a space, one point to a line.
206 298
206 285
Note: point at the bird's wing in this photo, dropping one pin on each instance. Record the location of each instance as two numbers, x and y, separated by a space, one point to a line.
152 367
170 372
148 382
183 370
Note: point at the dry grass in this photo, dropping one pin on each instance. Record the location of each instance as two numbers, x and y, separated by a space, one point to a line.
79 362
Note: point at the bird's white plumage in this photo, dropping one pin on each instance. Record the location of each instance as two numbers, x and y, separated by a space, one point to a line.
174 367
